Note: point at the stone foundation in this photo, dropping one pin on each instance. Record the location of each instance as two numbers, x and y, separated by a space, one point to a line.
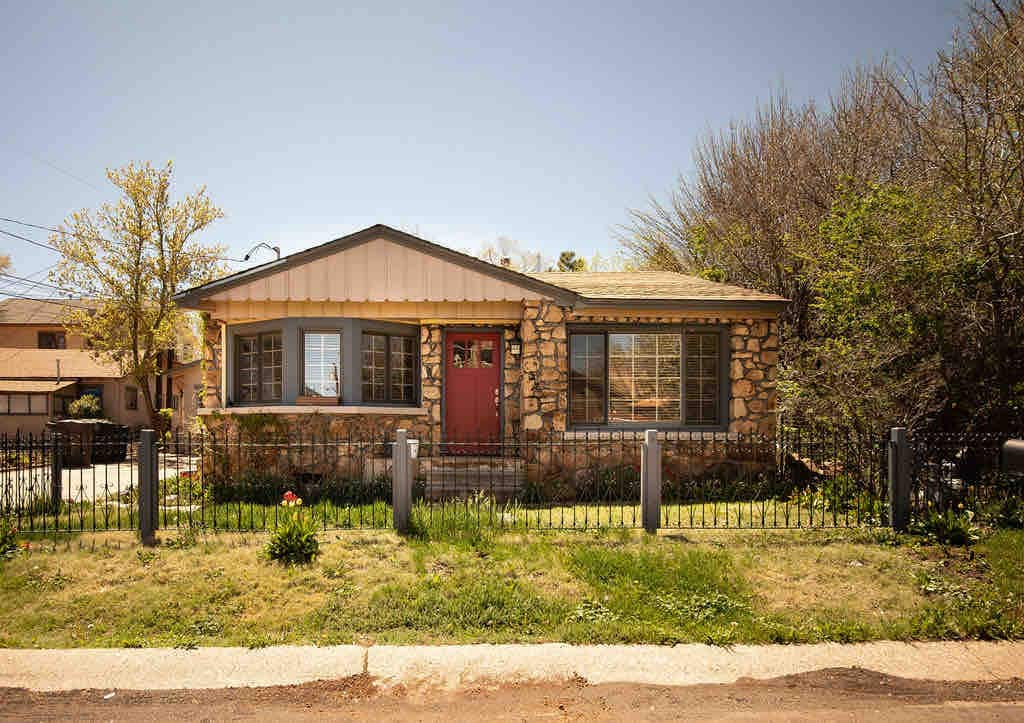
535 407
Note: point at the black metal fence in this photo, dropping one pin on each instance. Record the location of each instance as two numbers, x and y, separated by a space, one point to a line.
800 478
53 482
960 471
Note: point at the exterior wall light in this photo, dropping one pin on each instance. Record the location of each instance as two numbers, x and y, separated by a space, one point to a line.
515 345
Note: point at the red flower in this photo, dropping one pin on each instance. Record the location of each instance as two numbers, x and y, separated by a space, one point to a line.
289 496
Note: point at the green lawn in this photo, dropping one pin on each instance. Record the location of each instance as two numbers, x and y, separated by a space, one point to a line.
467 584
112 514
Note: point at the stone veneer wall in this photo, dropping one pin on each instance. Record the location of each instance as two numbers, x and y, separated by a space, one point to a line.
431 370
211 363
753 369
545 368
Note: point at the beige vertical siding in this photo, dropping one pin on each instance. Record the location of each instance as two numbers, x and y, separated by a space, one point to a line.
377 271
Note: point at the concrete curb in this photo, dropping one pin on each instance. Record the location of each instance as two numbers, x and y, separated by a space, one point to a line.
454 666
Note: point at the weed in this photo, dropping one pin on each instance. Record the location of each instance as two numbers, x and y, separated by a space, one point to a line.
294 537
8 537
948 528
591 611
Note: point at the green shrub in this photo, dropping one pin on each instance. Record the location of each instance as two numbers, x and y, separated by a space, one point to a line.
8 537
342 491
842 495
294 538
1007 513
87 406
948 528
261 488
264 488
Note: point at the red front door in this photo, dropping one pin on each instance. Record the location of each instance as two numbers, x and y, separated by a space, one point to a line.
472 387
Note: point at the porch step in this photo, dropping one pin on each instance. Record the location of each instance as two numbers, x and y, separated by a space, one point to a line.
460 477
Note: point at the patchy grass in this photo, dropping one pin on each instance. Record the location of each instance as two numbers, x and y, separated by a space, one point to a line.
605 586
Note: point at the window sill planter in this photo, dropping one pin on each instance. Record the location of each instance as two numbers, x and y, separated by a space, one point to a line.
317 401
395 411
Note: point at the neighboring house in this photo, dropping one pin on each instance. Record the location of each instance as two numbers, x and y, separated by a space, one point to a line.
43 368
179 388
381 330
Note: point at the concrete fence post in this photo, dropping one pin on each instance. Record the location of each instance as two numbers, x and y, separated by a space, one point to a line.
401 481
56 472
899 479
147 487
650 481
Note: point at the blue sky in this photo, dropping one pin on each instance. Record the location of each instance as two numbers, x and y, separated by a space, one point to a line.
543 122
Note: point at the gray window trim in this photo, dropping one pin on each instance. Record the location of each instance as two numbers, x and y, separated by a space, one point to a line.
725 388
388 333
260 401
292 329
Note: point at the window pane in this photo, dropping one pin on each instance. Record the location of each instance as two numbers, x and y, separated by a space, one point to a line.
37 403
643 377
248 369
486 353
4 404
19 404
403 358
464 354
702 379
374 369
586 379
322 364
272 366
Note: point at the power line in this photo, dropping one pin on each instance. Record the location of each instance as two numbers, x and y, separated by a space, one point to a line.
57 168
45 301
80 236
37 283
31 241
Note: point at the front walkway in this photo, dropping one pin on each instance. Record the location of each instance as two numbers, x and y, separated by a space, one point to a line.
456 666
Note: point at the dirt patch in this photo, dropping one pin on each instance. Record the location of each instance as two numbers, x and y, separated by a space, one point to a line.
861 694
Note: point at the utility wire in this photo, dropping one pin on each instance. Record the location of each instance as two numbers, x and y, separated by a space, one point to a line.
80 236
45 301
39 283
31 241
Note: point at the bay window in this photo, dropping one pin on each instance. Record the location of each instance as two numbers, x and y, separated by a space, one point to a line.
661 376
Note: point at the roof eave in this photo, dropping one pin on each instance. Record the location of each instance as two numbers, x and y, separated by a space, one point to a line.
190 298
681 304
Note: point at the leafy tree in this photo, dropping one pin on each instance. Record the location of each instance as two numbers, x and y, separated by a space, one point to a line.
131 256
569 261
883 280
893 220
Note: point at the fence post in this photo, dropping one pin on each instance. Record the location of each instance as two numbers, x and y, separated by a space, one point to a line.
899 479
650 481
147 487
56 473
401 481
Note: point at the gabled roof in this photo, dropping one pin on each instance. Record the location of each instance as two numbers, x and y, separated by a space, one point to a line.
631 285
644 288
378 231
36 311
42 364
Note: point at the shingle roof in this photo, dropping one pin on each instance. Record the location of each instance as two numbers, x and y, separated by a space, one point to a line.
650 285
598 288
36 311
42 364
8 386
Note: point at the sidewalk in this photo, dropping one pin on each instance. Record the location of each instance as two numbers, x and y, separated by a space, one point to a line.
452 667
